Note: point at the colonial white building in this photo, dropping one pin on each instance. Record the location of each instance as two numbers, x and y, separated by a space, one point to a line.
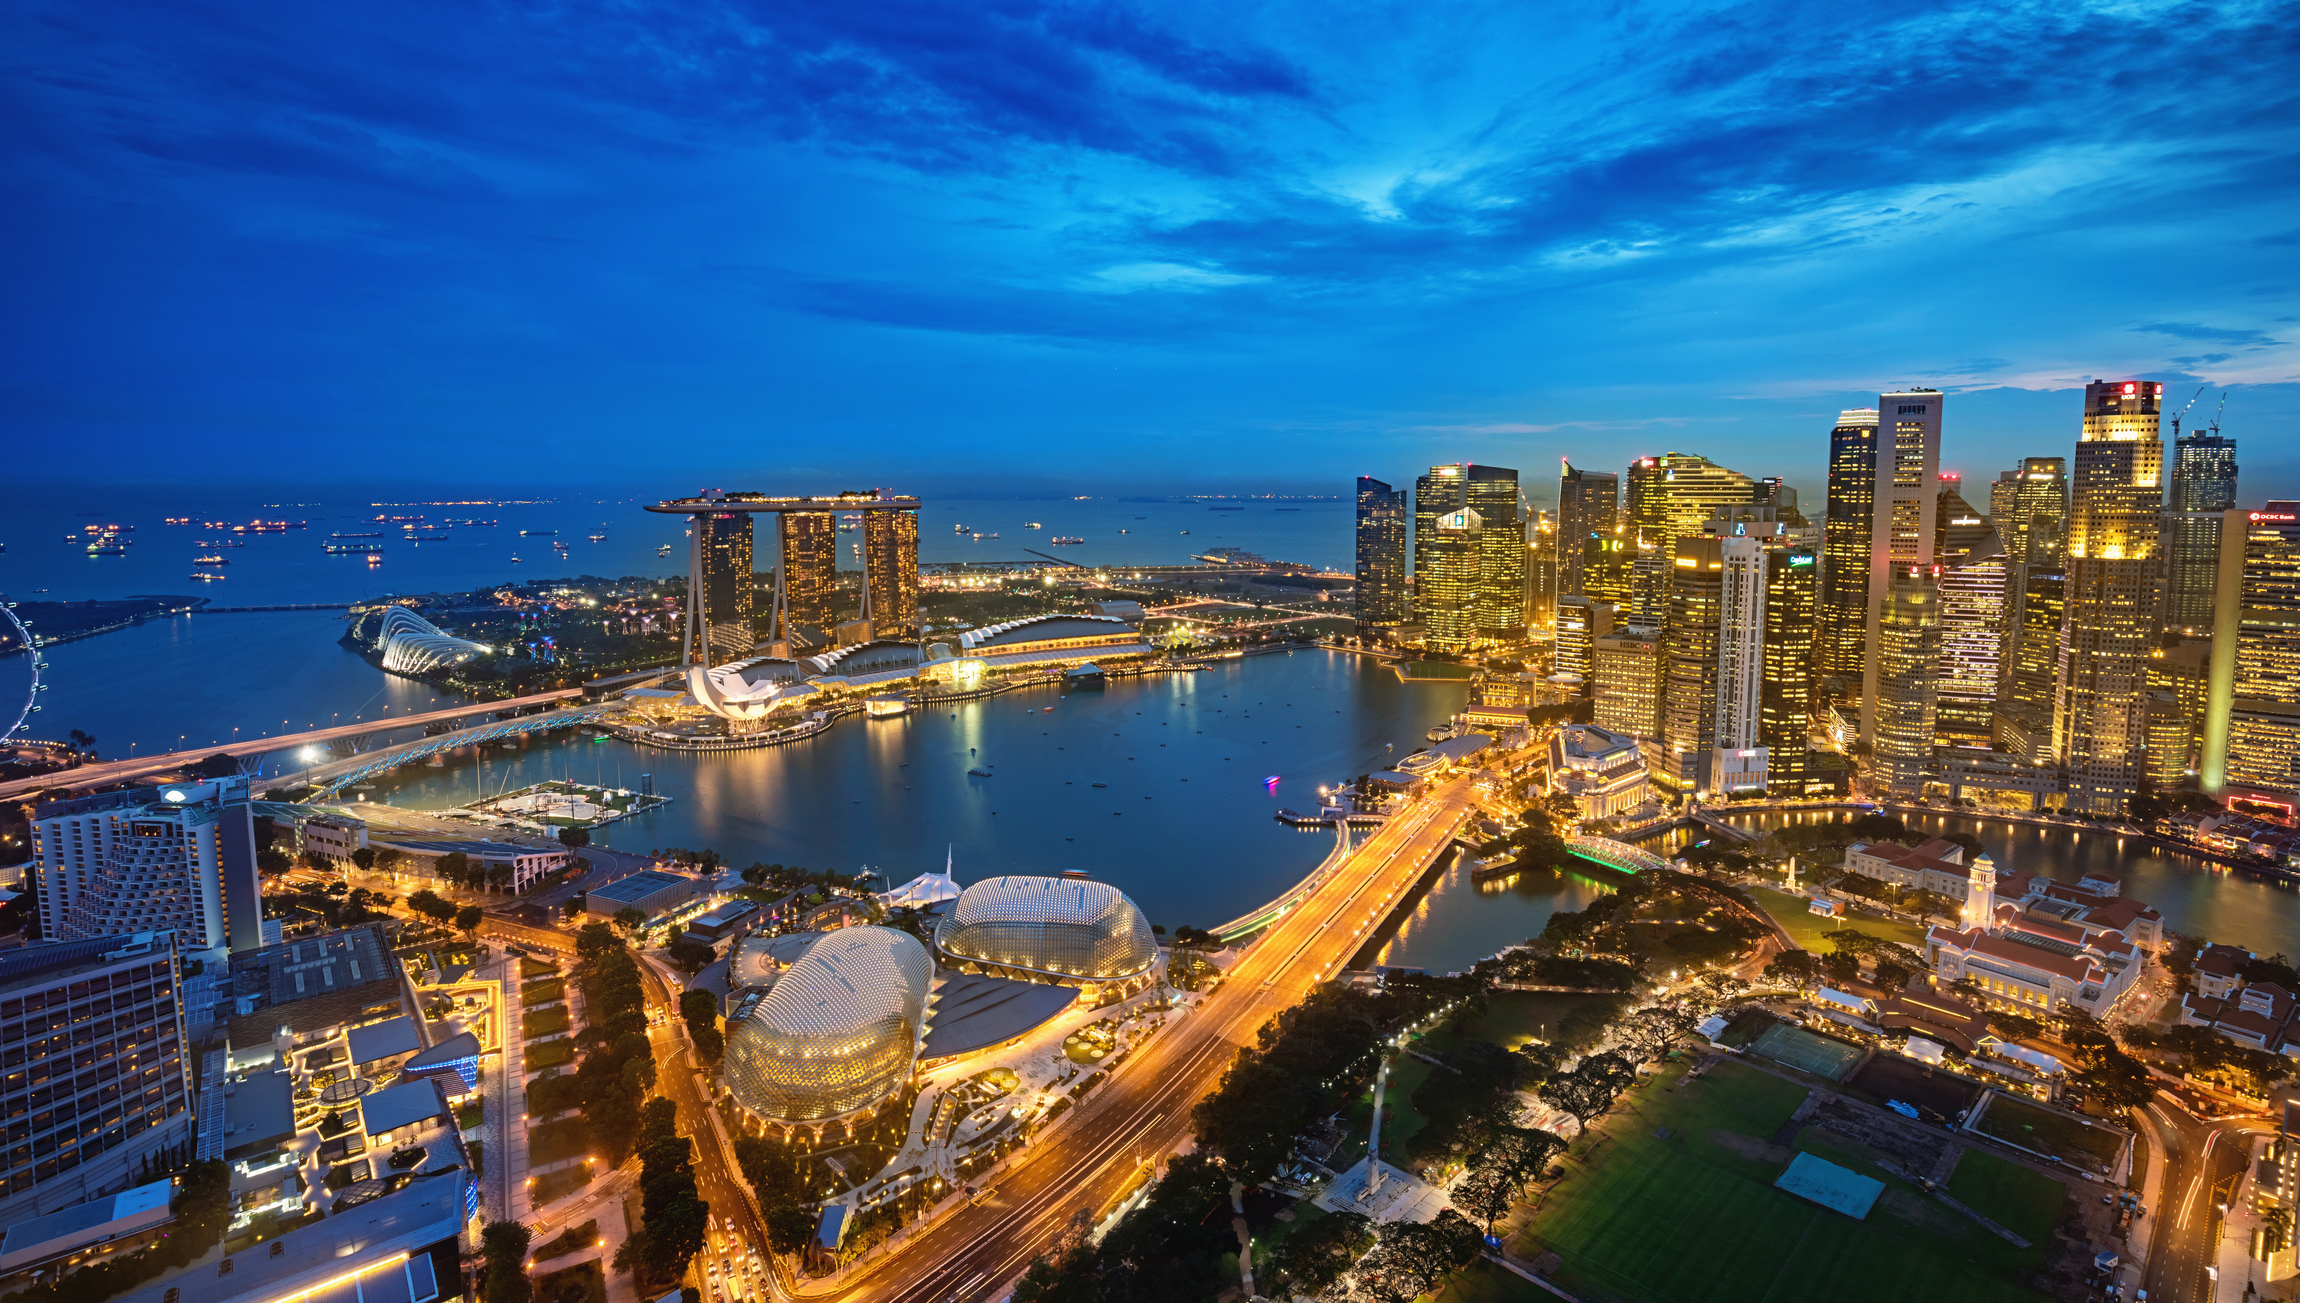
2030 952
1603 771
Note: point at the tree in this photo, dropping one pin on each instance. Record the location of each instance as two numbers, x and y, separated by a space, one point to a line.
1590 1089
1892 975
690 956
81 741
1483 1193
1650 1031
503 1246
1841 965
1798 968
628 921
364 857
1315 1256
1411 1258
2114 1078
574 838
788 1227
467 920
454 869
218 765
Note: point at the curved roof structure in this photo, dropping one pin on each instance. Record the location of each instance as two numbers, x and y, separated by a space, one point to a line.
838 1033
414 645
1043 628
759 959
866 657
1063 929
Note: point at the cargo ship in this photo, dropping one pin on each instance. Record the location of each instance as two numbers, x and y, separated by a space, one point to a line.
367 548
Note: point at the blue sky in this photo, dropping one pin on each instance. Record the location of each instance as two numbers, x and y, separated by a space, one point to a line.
1180 244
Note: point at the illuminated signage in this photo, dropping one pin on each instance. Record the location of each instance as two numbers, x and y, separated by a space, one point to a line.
2274 517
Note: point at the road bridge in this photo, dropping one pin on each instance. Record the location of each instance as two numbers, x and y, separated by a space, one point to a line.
1619 856
109 772
336 776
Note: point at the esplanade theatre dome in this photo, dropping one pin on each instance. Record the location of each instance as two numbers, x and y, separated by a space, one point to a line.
1067 930
839 1031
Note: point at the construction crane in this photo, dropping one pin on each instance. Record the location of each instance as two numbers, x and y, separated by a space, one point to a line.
2191 403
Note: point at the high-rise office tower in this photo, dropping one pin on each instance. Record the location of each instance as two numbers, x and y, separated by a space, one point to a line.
179 858
1649 584
2168 734
1841 640
1626 677
1973 571
1689 663
2203 490
2100 685
1901 519
890 564
2029 508
810 562
1606 559
1785 706
1452 558
1907 653
1737 757
730 586
1381 593
2023 716
2251 750
1587 502
1669 496
92 1031
1491 493
1541 574
2183 672
1580 622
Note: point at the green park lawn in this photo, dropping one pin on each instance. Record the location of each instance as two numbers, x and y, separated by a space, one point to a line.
1483 1282
550 1054
545 1022
1642 1218
555 1141
543 992
1512 1018
1806 927
2020 1199
2050 1132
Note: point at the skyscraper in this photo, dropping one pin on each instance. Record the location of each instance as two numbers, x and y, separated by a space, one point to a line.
1901 519
1625 677
2023 717
1587 502
1606 559
2252 713
1449 574
1842 615
1580 623
1737 758
1907 655
2029 508
1381 590
1785 706
1973 568
93 1034
1669 496
730 587
1541 574
810 563
890 560
2203 490
1490 492
179 858
2100 685
1689 664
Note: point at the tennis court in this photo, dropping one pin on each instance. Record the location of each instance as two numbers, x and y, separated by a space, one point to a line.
1800 1049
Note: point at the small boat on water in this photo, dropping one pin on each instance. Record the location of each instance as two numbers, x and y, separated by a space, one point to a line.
209 561
979 773
1102 784
205 575
515 559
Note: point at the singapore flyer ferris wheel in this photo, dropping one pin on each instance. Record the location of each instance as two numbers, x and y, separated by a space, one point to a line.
18 712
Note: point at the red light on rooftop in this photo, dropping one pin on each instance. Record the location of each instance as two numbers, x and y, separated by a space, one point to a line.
2131 388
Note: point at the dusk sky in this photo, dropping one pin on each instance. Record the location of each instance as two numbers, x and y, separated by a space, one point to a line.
786 245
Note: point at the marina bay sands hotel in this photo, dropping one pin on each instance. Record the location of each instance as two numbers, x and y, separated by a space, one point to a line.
804 615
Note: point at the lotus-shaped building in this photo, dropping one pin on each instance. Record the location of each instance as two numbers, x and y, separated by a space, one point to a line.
839 1032
1070 931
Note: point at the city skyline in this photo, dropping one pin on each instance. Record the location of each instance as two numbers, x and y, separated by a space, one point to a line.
1216 238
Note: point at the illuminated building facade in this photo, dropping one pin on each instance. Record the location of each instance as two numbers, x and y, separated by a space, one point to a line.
1689 664
1908 656
2100 684
2029 508
1785 705
1489 493
1067 931
1841 639
837 1035
806 580
729 588
1448 563
94 1038
1587 502
1606 561
179 858
1580 623
1737 761
890 572
2203 490
1669 496
2252 723
1381 587
1902 517
1973 569
1625 671
2183 672
1541 576
2024 707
